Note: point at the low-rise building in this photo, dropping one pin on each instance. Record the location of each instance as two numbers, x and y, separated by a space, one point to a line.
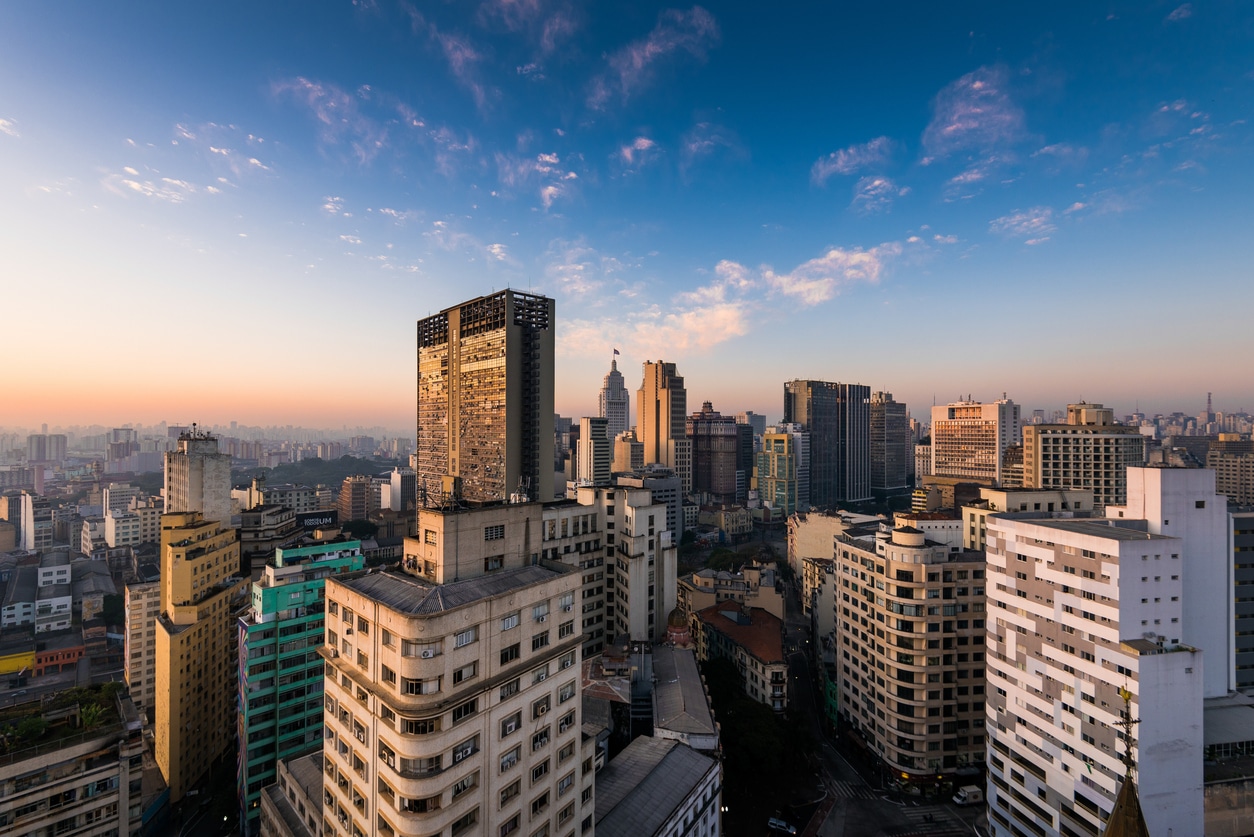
752 639
656 788
754 585
681 707
292 806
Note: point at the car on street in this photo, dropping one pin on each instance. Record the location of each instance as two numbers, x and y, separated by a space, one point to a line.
778 826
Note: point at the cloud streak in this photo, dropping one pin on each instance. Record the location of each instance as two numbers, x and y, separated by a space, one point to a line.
634 67
9 128
873 195
1035 224
851 160
337 114
973 113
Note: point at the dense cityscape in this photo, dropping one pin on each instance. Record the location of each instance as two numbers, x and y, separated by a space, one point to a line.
649 620
532 418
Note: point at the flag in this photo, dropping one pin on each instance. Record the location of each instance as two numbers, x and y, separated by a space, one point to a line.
616 351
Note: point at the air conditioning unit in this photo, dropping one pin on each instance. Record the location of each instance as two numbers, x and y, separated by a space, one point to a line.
511 726
567 663
333 652
348 632
463 753
540 675
563 726
542 709
428 654
568 608
543 618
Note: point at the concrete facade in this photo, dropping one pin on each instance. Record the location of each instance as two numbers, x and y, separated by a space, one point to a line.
661 416
969 439
1089 452
198 478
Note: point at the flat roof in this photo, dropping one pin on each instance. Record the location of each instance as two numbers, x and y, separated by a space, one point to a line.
409 594
762 636
1108 528
639 790
1228 720
679 702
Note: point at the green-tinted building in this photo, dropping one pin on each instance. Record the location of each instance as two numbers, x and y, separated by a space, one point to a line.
280 672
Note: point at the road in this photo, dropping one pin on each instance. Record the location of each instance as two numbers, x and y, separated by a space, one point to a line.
853 804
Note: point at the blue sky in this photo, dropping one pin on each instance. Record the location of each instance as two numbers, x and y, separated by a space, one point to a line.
237 211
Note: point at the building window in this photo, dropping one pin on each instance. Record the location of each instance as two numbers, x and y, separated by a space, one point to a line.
494 533
428 536
565 629
540 707
539 741
466 637
539 641
510 791
493 563
510 653
540 804
466 822
463 785
510 759
539 771
510 621
540 674
461 713
567 692
387 638
387 675
510 689
511 724
465 673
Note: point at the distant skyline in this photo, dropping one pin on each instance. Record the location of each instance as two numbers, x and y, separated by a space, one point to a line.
239 212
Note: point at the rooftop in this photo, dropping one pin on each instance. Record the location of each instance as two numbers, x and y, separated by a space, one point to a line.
638 791
1107 528
409 594
761 634
679 702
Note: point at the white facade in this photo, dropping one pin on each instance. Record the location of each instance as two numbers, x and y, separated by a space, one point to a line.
123 528
1077 610
198 478
1182 503
592 456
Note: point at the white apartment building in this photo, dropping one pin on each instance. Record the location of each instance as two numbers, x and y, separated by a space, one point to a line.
1077 610
143 607
1077 502
454 709
122 528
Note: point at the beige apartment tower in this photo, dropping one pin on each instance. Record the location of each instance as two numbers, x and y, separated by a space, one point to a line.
969 439
1089 452
196 647
198 478
454 709
485 401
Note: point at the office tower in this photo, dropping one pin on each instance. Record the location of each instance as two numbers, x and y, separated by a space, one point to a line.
1078 610
891 447
37 448
198 477
926 674
641 560
746 456
358 499
776 477
592 454
485 401
661 420
615 402
142 608
1232 460
838 419
455 708
279 713
715 453
969 439
755 420
88 782
196 650
1089 451
628 453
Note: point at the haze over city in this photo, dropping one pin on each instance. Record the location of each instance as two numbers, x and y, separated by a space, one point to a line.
225 212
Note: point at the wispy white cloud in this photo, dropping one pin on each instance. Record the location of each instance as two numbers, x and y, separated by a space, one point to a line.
707 139
638 152
334 205
876 194
976 112
1182 12
632 68
338 116
9 128
580 270
545 169
851 160
1035 224
350 239
398 215
820 279
167 189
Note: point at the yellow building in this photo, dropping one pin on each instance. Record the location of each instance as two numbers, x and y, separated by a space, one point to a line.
196 646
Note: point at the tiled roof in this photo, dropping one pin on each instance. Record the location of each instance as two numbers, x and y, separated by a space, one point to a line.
762 636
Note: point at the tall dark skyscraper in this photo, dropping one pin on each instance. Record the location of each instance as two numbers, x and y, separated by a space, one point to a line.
714 453
485 400
891 448
838 418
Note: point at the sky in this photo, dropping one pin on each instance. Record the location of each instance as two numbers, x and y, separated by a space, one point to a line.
237 211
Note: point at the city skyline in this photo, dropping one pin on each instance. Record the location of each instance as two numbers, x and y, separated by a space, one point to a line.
198 232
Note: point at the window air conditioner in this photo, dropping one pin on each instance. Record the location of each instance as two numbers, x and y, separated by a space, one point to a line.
428 654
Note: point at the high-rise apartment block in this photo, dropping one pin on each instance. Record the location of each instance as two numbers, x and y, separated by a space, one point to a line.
198 478
142 608
614 402
196 647
1243 596
1078 611
485 401
628 453
910 625
661 420
969 439
715 453
777 474
358 498
891 446
281 672
592 451
838 419
1089 452
454 708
